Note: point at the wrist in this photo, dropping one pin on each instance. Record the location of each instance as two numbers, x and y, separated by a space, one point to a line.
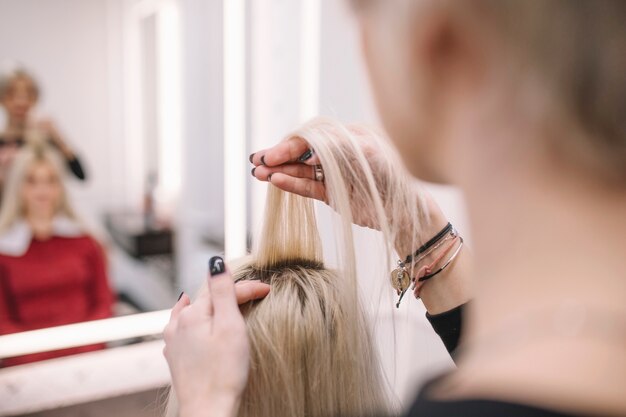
407 244
450 288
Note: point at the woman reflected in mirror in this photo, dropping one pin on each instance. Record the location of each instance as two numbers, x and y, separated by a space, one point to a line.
52 270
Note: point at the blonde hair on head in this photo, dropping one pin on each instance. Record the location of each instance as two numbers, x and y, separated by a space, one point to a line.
311 348
312 351
12 72
36 151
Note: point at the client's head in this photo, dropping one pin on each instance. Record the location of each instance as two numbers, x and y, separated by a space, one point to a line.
311 348
35 187
311 351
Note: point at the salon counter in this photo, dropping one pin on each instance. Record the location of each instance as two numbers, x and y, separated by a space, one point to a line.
83 378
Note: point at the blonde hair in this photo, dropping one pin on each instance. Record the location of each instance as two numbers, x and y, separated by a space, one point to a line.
312 352
311 348
36 151
13 72
577 49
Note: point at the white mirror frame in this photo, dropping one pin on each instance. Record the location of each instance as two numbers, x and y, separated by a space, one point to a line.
82 334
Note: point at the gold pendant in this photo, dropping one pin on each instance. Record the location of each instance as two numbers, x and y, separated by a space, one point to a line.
400 279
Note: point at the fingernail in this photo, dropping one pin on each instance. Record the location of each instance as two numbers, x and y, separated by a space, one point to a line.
251 157
180 296
269 178
252 172
216 266
263 160
306 156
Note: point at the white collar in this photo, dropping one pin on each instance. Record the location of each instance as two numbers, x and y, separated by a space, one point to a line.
16 240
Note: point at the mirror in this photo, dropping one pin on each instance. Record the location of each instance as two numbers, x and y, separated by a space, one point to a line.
111 157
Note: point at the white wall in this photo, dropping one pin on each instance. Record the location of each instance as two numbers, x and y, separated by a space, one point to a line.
201 205
274 82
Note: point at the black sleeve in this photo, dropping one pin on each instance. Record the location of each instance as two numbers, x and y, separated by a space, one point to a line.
77 169
448 326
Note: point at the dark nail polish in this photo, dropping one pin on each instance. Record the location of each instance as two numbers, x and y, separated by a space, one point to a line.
252 172
251 158
306 156
269 178
180 296
216 266
263 160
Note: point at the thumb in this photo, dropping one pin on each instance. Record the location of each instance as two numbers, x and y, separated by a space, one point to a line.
250 290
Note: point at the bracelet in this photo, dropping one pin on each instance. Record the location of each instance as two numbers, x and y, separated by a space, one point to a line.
428 244
444 266
453 234
400 279
418 283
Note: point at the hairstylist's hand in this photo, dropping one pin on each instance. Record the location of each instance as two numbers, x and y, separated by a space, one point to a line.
290 166
207 347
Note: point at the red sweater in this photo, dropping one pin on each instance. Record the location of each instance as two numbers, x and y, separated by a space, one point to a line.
57 281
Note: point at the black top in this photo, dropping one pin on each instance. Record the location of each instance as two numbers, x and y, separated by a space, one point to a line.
448 326
76 167
479 408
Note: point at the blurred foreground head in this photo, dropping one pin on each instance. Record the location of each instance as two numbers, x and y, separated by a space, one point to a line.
503 85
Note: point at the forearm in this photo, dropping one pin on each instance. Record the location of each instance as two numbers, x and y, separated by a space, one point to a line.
67 152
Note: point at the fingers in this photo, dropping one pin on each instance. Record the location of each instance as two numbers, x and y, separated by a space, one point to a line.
182 302
203 301
221 290
169 329
301 186
287 151
294 170
223 298
246 291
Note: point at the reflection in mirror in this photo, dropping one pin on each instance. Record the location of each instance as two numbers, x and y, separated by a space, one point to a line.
53 270
99 217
